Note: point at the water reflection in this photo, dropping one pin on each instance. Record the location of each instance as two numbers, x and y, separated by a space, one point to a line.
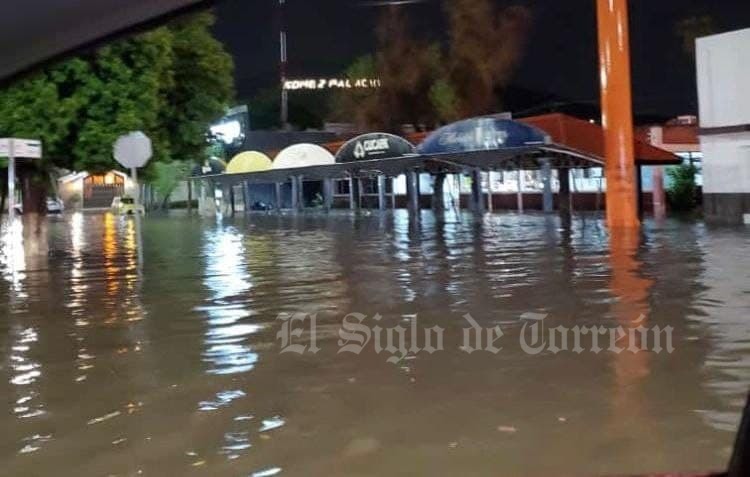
630 418
228 310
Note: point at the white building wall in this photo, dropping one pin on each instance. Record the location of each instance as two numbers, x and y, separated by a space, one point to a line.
726 163
723 70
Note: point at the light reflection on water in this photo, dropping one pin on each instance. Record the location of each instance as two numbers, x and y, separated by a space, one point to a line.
174 369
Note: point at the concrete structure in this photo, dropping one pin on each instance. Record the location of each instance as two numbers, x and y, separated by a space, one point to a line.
723 63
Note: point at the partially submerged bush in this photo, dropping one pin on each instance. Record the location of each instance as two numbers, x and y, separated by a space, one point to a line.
682 191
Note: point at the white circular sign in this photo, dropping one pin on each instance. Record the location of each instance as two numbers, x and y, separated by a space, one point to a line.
133 150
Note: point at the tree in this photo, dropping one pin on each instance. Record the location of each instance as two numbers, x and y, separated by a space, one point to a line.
358 105
682 192
485 47
124 91
407 69
170 83
202 86
692 27
167 176
423 85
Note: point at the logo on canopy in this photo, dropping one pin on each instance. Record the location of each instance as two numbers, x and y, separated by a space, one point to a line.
374 146
482 134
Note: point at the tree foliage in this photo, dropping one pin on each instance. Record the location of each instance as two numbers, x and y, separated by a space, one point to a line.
425 84
166 176
407 68
692 27
485 46
682 192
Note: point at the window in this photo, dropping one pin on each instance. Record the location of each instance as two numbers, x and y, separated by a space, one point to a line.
341 187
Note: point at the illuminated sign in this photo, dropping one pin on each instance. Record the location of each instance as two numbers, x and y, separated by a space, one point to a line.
228 132
330 83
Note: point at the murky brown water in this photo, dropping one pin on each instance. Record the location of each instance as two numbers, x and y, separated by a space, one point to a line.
176 370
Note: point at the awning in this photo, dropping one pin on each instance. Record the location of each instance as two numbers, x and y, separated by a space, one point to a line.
251 161
303 155
374 146
35 31
588 138
528 158
488 133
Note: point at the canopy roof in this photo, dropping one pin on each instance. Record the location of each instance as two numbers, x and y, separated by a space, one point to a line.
35 31
302 155
481 134
251 161
376 145
588 138
486 143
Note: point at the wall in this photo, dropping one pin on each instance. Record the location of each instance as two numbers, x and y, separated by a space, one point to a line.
723 63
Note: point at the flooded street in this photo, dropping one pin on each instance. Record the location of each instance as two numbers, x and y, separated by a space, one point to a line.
107 368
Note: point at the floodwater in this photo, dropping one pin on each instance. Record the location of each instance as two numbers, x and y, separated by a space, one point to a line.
174 367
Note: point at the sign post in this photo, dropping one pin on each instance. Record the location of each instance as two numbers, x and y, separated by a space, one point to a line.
14 148
11 182
132 151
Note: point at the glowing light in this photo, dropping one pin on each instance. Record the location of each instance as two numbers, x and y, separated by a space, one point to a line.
228 132
331 83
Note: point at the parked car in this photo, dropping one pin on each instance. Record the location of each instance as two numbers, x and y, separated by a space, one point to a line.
55 205
126 206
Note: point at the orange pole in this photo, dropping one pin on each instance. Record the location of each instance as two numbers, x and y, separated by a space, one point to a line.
617 113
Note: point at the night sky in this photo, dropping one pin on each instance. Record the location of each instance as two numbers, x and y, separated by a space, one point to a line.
560 61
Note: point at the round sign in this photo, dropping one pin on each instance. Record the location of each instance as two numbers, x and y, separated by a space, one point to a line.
133 150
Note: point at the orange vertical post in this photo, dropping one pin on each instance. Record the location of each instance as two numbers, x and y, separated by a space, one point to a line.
617 113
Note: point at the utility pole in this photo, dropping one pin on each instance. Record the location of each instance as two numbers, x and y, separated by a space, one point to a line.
283 64
617 113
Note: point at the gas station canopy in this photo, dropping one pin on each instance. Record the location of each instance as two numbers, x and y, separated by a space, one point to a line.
35 31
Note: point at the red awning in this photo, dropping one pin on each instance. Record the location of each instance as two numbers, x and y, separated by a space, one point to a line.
589 138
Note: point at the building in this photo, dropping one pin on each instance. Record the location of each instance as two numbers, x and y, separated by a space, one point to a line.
723 64
81 190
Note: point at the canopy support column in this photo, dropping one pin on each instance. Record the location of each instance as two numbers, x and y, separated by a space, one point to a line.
300 198
412 191
659 197
328 194
490 194
563 197
438 192
476 191
277 194
393 193
548 204
382 205
519 193
295 193
354 193
245 197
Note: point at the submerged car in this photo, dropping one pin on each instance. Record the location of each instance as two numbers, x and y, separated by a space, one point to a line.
126 206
